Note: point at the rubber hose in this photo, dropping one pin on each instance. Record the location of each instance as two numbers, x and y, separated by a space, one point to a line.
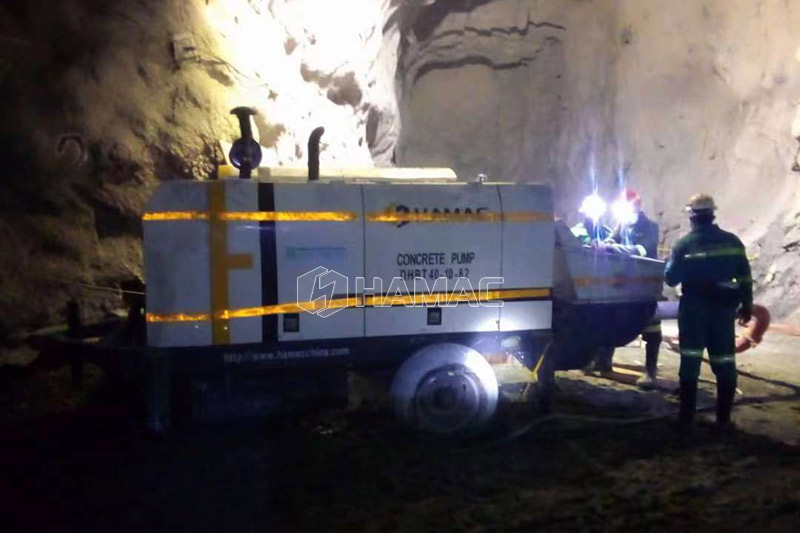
758 325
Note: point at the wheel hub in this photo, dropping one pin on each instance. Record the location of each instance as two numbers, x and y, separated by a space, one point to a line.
448 399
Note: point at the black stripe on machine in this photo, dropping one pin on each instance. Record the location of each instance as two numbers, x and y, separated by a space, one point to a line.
269 262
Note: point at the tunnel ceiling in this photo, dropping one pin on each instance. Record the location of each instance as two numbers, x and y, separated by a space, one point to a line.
112 97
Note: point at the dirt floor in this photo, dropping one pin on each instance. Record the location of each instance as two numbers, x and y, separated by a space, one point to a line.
608 460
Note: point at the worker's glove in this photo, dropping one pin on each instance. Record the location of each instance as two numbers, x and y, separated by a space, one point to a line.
745 314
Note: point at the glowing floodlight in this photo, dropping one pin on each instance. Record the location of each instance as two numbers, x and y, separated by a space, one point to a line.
593 207
624 212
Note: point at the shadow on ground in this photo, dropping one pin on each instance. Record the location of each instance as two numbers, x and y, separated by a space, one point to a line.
93 468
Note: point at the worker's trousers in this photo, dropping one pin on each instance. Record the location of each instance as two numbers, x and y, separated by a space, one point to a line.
651 335
652 331
710 326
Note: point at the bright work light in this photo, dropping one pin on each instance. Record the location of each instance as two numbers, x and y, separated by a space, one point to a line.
593 207
623 212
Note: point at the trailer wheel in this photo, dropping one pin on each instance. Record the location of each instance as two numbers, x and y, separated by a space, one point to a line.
445 389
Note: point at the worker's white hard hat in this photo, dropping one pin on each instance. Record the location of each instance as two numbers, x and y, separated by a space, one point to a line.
701 202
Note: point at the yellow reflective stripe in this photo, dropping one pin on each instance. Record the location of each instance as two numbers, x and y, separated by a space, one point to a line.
178 317
616 281
691 353
459 217
719 252
280 309
727 252
291 216
248 312
444 297
722 358
652 329
255 216
516 293
168 216
346 216
220 271
348 301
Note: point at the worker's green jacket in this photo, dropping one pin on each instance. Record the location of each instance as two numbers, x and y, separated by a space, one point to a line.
711 264
587 231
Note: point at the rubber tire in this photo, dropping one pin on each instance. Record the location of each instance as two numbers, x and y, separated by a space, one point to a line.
438 358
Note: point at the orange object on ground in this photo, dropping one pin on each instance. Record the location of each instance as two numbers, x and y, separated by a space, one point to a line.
756 328
758 325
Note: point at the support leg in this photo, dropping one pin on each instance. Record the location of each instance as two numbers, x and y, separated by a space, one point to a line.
546 380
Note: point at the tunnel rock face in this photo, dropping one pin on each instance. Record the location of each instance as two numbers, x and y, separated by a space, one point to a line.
507 89
110 98
477 84
96 112
705 97
304 64
693 96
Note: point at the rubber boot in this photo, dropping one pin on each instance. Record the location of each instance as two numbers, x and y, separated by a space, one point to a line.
648 381
688 395
651 358
603 361
726 393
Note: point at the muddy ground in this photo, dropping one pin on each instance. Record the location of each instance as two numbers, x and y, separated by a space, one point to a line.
608 460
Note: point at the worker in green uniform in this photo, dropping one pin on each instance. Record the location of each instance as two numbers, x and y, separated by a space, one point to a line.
711 266
637 235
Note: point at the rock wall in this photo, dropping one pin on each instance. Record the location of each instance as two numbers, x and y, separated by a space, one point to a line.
696 95
517 90
706 95
109 98
307 63
96 111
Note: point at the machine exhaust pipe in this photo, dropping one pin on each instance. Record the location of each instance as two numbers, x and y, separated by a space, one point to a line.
313 153
245 153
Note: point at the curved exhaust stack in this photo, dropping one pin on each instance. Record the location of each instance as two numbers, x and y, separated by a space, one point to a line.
313 153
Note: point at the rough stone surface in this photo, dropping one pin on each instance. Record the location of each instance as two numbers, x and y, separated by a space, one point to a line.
696 96
307 63
705 100
100 112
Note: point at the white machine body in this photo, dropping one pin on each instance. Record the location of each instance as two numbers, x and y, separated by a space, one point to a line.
227 262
